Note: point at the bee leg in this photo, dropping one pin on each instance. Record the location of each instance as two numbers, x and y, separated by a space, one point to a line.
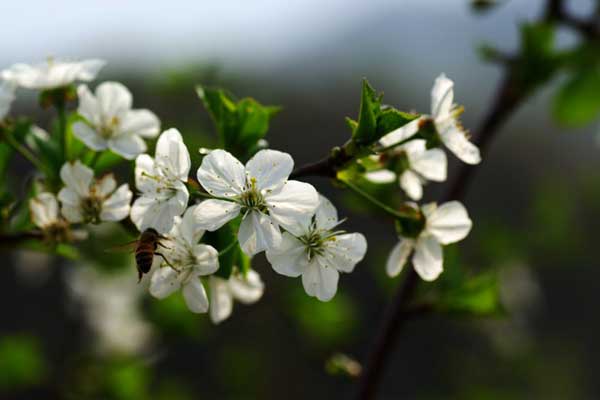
167 261
163 246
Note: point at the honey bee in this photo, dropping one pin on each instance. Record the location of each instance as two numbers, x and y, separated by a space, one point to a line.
145 249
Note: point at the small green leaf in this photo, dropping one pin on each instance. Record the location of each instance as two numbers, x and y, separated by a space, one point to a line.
578 102
391 119
370 104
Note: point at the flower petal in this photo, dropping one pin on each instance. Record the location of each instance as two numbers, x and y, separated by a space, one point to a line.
442 97
258 233
145 174
88 105
400 134
114 99
105 185
212 214
320 282
69 197
195 296
381 176
189 229
344 252
43 209
456 141
172 156
449 223
292 202
207 259
248 289
77 177
411 184
221 300
117 206
289 258
89 69
431 164
89 136
148 212
142 123
326 215
428 259
164 282
221 174
127 146
398 257
269 168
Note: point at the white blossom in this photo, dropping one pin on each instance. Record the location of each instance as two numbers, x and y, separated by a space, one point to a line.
161 182
111 123
417 165
44 211
52 73
448 223
315 250
85 199
7 96
444 114
246 289
188 261
260 191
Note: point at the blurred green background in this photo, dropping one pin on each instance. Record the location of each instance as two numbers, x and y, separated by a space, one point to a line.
84 329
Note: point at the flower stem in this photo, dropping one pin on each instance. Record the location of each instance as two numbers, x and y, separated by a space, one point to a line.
395 213
62 129
228 248
95 159
24 151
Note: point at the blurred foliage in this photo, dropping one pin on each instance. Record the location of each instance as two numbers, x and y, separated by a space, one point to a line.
22 363
172 317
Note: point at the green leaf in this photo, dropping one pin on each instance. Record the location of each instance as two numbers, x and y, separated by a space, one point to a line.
21 362
391 119
240 124
230 253
477 295
537 61
370 105
578 101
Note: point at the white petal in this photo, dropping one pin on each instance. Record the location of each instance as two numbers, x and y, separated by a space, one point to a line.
320 282
88 105
72 214
105 185
44 209
258 233
270 168
127 146
381 176
212 214
114 99
428 259
149 212
172 156
221 174
77 177
398 257
145 173
326 215
456 141
195 296
221 300
449 223
292 202
89 69
431 164
117 206
248 289
89 136
69 197
344 251
400 134
164 282
411 184
189 229
142 123
207 259
289 258
442 97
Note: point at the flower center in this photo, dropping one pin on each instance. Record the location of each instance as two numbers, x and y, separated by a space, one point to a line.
316 239
91 207
109 126
252 198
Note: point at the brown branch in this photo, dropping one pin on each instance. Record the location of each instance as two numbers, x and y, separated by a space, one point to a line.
13 239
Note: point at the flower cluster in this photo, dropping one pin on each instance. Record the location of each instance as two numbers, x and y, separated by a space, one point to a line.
255 205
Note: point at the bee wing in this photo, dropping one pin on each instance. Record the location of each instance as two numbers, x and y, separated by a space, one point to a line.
130 246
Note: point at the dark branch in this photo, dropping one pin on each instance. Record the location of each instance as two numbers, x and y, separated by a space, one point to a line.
13 239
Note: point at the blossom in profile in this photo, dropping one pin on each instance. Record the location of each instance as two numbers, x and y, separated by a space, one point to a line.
246 288
443 225
111 123
52 73
259 191
315 250
414 166
161 183
185 261
85 199
444 115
